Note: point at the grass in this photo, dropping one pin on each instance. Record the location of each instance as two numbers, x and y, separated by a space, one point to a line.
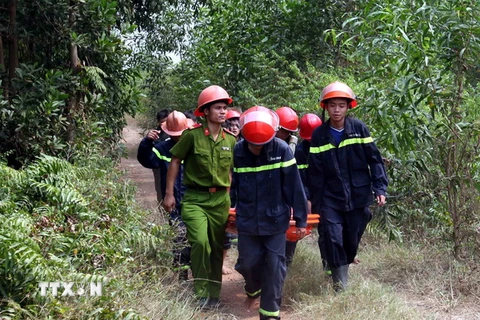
393 281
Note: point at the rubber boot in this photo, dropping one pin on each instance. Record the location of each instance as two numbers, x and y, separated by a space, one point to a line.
340 278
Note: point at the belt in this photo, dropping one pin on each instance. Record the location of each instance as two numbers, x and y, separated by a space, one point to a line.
208 189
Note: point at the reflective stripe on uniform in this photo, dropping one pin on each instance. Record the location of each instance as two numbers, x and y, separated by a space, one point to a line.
254 294
344 143
302 166
269 313
161 156
355 141
266 167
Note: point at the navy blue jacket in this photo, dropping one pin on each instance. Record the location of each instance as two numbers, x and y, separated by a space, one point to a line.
344 177
301 155
267 186
157 154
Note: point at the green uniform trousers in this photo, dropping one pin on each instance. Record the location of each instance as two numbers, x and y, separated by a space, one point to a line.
205 214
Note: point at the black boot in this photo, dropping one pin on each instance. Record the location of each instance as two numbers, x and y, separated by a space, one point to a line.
340 278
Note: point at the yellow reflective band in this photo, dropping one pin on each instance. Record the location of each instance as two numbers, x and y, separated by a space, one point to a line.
160 156
254 294
344 143
322 148
302 166
266 167
269 313
355 141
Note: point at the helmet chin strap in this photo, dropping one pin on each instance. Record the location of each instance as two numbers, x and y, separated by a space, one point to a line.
323 114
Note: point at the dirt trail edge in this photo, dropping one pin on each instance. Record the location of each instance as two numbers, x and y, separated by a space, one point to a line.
232 295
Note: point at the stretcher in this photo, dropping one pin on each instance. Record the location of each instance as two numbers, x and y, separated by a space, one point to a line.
312 221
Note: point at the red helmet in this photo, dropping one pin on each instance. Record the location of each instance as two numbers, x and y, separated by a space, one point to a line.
176 123
288 119
211 94
232 114
307 124
338 90
259 125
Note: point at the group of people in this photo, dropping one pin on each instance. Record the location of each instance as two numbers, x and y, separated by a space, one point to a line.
258 167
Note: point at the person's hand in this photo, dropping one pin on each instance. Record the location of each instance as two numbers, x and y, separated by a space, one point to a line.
168 202
153 134
301 233
381 200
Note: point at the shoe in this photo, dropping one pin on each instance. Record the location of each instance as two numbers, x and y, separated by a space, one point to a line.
340 278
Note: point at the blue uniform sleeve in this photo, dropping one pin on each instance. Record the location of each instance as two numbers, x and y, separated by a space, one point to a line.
302 163
146 154
315 175
292 189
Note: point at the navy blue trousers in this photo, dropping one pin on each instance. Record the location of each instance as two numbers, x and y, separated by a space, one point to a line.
261 262
340 233
290 248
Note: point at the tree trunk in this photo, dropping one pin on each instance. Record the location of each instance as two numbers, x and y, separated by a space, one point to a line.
73 101
2 67
13 44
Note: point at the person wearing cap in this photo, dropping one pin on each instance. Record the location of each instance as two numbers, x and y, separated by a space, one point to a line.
345 173
267 186
207 154
308 122
231 124
157 175
288 126
155 154
286 131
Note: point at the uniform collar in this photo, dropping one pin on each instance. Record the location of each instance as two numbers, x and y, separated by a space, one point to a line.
347 126
206 130
267 148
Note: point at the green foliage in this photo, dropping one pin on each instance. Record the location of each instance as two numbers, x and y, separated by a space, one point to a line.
62 222
415 59
246 46
72 87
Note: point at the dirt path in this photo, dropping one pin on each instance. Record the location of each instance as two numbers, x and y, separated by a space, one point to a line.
232 295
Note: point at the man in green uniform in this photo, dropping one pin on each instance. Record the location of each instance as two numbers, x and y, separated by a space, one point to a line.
207 152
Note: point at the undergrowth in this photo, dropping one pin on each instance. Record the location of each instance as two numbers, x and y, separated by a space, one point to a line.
392 281
76 223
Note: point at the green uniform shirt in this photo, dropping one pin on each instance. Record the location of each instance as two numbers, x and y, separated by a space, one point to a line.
206 163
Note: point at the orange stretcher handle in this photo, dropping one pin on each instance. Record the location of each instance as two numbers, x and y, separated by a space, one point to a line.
312 221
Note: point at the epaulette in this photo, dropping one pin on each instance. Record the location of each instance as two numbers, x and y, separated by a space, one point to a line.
195 126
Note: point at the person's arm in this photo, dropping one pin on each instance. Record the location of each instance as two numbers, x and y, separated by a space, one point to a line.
169 199
377 169
147 155
294 193
315 176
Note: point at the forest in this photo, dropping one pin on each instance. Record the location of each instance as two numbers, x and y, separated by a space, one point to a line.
70 72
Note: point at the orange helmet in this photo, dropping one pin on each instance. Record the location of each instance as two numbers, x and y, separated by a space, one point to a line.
231 114
288 118
308 122
175 124
209 95
338 90
190 123
259 125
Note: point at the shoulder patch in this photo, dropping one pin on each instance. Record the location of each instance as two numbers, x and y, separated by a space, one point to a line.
195 126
